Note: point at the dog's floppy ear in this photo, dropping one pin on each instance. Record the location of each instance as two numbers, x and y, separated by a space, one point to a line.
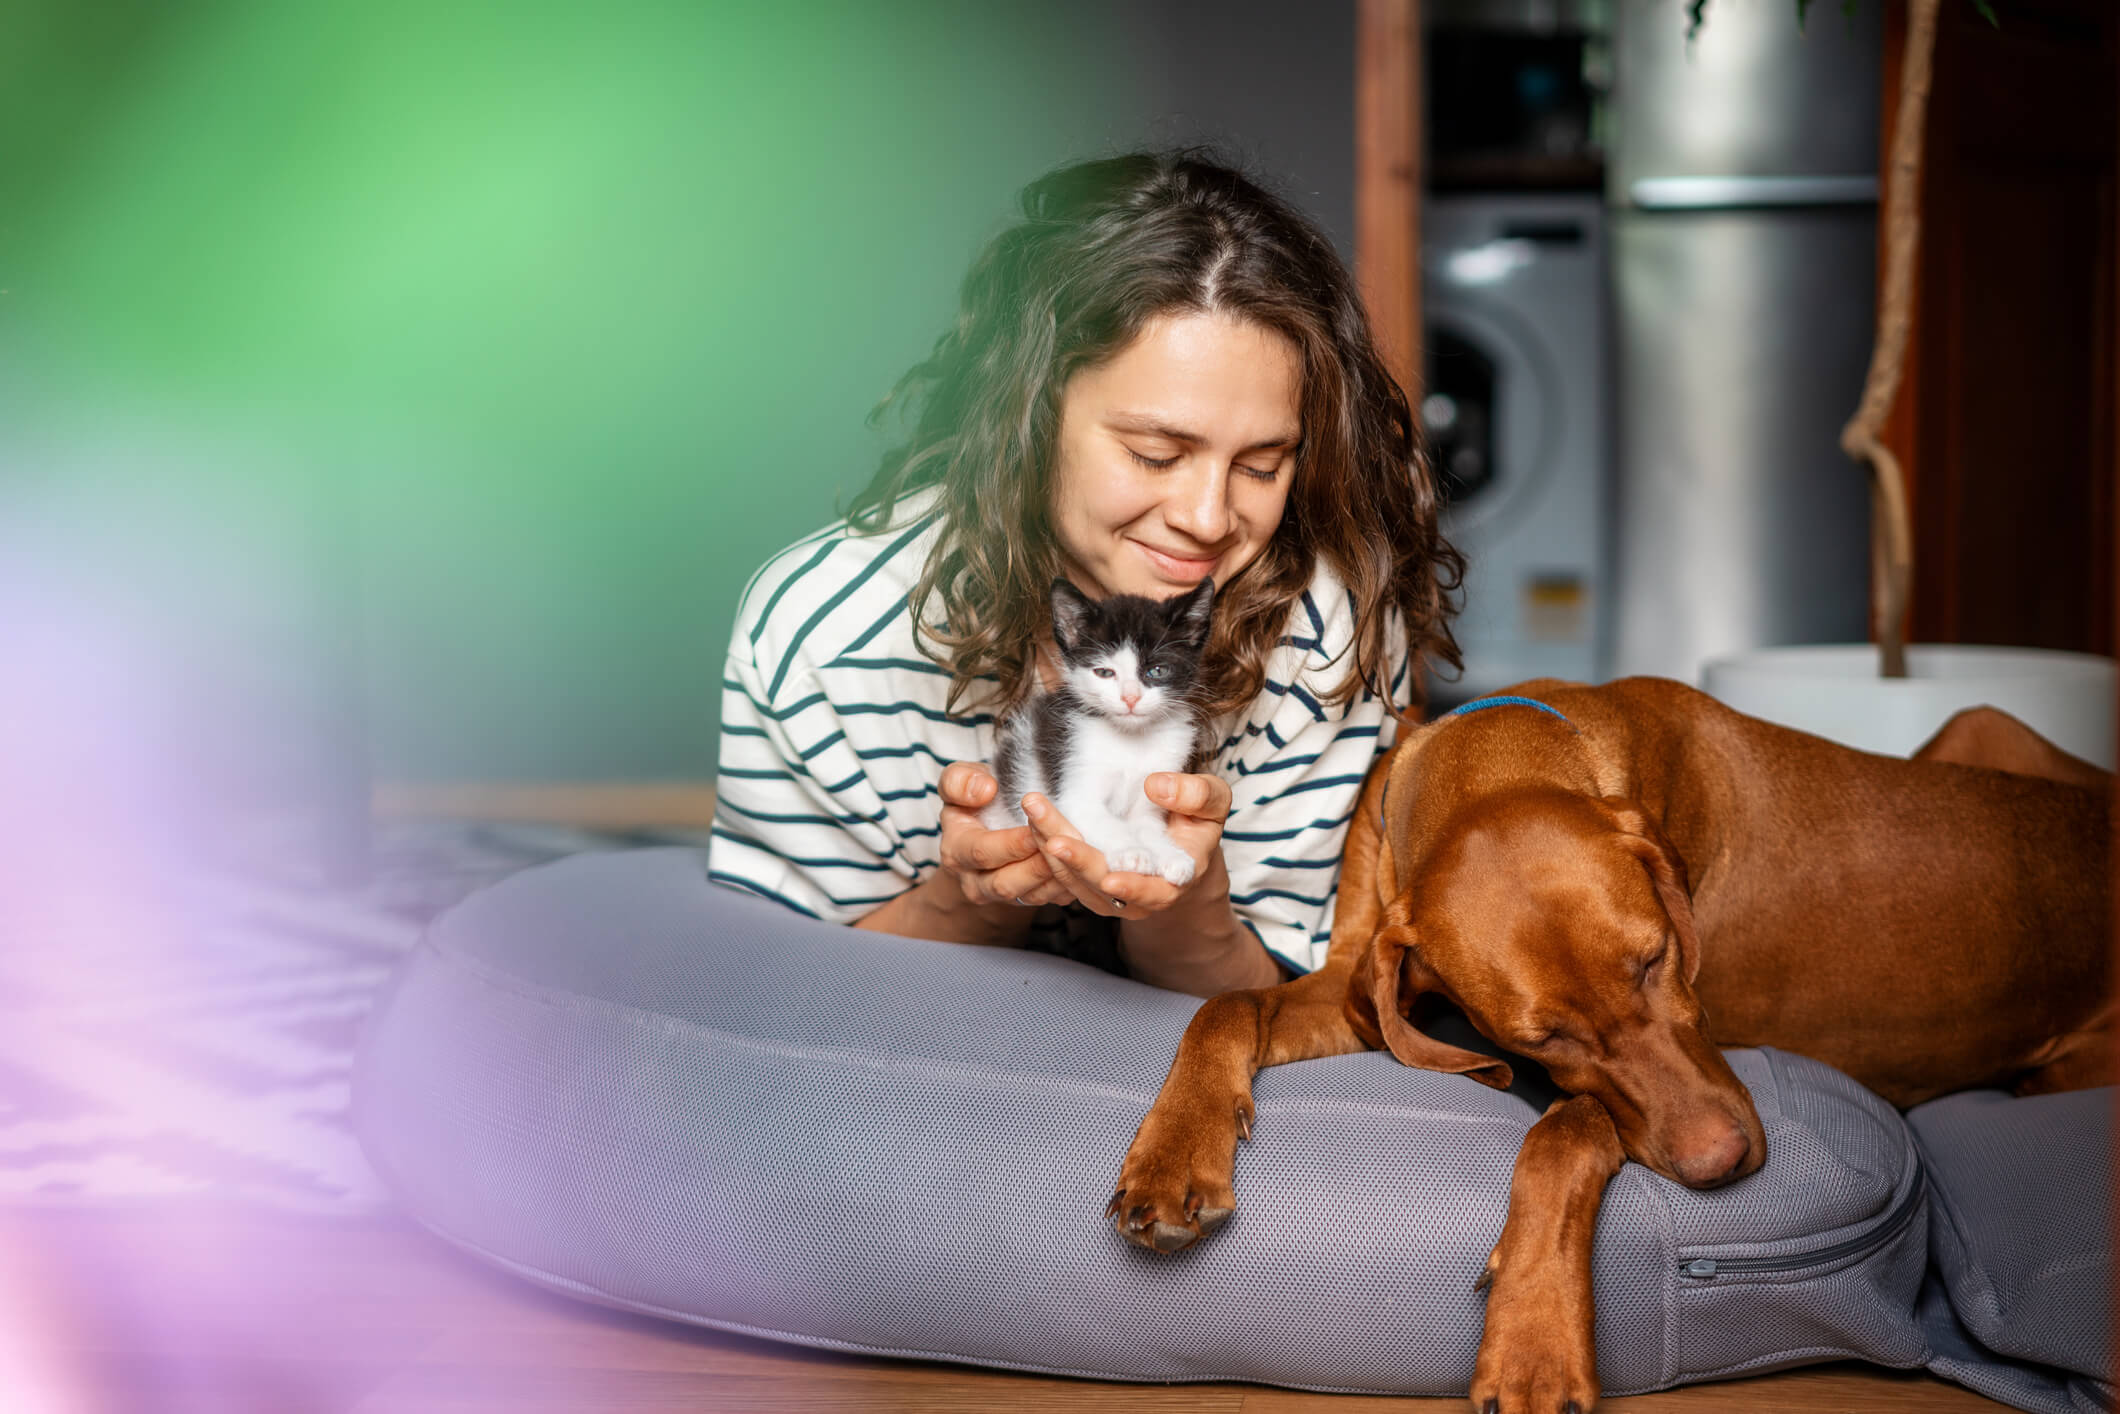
1389 969
1666 870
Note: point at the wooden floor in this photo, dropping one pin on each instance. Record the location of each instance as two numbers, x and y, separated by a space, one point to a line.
155 1311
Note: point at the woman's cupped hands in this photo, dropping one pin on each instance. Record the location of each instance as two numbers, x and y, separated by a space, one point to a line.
1048 861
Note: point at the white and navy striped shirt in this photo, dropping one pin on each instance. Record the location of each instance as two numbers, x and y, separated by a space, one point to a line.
834 738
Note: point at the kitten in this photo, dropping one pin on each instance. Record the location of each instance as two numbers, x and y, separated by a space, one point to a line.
1124 709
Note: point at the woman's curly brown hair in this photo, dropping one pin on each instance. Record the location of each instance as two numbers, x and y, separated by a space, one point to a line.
1104 248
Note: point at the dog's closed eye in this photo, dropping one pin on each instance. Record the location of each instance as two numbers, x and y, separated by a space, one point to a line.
1539 1036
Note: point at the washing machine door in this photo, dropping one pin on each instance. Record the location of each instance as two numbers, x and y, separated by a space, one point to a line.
1513 409
1488 408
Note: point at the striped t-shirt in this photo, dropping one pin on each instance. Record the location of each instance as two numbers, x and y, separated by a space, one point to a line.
834 738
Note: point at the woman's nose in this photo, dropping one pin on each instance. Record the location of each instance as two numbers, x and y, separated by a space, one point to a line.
1199 506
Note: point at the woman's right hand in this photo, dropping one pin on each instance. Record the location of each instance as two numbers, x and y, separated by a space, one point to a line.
991 866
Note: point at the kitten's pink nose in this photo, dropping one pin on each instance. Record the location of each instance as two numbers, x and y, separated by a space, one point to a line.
1130 697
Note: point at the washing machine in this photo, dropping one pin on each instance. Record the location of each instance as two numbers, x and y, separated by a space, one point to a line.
1515 409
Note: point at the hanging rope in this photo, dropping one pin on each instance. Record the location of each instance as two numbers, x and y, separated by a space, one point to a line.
1891 528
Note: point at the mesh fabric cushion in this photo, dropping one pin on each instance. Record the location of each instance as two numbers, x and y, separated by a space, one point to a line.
621 1081
2022 1235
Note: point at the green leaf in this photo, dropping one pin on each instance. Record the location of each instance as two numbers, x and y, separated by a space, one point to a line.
1987 12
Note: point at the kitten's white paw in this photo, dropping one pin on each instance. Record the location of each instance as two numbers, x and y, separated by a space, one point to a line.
1176 868
998 814
1132 859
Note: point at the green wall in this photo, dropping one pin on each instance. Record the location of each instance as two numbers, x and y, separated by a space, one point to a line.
423 381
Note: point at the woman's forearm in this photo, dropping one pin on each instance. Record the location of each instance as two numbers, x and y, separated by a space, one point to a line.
1198 945
936 908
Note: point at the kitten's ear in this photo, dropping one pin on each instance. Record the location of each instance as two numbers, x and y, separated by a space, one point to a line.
1071 609
1191 612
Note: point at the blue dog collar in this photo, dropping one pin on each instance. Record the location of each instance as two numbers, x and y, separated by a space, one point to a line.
1481 704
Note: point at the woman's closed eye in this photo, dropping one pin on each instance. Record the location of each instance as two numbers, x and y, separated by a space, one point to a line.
1166 463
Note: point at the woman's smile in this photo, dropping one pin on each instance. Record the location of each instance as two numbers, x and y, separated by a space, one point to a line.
1187 569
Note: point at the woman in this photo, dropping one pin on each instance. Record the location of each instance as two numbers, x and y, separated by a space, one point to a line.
1162 373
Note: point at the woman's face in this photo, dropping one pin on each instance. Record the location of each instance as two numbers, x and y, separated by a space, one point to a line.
1175 456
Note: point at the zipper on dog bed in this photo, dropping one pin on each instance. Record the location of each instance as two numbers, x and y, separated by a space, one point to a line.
1704 1268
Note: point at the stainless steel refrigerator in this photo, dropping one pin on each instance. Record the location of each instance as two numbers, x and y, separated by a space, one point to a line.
1742 177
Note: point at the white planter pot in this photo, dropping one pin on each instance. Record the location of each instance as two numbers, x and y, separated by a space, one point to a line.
1834 691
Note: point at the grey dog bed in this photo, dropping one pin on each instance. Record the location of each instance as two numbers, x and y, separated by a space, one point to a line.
620 1081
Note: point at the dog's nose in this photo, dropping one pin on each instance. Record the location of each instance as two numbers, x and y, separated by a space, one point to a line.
1715 1158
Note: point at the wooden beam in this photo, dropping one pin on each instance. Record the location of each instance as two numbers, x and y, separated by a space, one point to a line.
1387 181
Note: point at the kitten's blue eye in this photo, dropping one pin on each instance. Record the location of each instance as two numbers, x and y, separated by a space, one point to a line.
1157 673
1104 672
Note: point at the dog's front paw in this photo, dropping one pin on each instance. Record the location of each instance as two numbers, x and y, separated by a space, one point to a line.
1174 1186
1537 1356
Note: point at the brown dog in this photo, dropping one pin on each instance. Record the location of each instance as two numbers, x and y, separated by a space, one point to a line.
1616 884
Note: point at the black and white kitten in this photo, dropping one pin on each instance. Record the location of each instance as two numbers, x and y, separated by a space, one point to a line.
1124 710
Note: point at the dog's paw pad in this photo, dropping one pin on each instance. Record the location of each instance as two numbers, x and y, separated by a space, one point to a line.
1169 1237
1212 1218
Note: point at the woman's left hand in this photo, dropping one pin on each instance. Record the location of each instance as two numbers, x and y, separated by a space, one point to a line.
1197 806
